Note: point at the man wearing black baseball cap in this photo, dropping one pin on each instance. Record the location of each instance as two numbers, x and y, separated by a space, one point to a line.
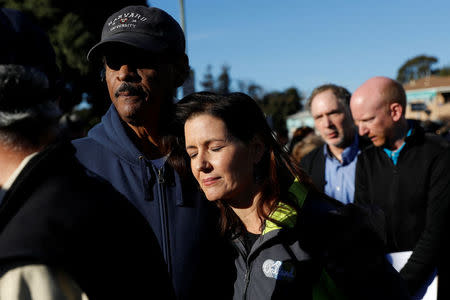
144 60
149 29
63 234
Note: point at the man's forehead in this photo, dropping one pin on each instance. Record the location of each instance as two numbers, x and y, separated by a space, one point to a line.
368 109
326 101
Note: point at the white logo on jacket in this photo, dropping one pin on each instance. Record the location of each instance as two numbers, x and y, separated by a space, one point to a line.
271 268
278 270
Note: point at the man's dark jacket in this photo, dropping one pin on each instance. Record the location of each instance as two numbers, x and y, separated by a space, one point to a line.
314 163
414 195
54 214
185 223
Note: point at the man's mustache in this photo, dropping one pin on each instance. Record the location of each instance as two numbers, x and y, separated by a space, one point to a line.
132 90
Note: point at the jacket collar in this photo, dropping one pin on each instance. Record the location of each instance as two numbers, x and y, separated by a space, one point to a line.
285 215
112 134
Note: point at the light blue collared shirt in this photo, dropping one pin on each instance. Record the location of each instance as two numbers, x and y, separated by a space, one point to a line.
340 177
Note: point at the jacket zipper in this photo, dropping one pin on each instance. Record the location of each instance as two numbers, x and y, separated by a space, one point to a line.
247 280
164 223
247 266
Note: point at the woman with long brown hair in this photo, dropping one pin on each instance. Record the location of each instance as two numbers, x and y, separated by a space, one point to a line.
290 239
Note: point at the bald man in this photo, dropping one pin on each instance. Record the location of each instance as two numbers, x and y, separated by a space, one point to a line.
407 175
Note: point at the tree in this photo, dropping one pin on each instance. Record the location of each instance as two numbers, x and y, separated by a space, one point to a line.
444 71
255 91
221 85
415 68
224 81
279 105
73 28
208 80
252 89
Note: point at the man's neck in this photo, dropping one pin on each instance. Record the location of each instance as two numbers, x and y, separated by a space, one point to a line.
147 140
399 135
10 159
338 150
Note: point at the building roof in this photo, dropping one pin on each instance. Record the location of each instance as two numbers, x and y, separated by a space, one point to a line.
428 82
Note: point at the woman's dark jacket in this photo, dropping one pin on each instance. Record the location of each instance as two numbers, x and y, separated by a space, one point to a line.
325 251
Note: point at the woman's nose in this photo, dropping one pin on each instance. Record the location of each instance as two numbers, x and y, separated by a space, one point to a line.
202 164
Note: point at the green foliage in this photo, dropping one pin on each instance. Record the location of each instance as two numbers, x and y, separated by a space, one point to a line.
252 89
73 28
224 81
220 85
43 10
71 39
255 91
419 67
279 105
276 105
444 71
208 80
415 68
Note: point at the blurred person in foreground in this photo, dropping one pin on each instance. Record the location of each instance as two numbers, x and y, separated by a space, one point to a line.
332 167
291 241
305 146
407 175
63 234
299 134
142 51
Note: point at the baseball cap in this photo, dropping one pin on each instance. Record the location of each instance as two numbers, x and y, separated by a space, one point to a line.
148 28
25 43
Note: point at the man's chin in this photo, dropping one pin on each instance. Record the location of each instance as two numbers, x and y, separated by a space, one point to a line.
336 142
378 142
132 117
130 112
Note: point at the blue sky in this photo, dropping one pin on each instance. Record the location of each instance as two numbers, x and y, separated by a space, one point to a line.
280 44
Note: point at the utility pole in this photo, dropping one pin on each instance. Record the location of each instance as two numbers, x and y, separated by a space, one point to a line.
183 23
189 84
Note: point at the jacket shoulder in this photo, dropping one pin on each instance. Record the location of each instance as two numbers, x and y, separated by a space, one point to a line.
364 143
368 153
437 141
86 146
309 159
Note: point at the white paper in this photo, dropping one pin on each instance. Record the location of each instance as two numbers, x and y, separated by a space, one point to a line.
429 291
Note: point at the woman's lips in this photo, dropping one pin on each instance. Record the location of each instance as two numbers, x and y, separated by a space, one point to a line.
210 181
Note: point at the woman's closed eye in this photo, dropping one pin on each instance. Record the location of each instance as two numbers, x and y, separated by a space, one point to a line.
217 148
192 154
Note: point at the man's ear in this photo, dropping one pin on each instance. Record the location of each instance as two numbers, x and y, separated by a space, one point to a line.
396 111
182 70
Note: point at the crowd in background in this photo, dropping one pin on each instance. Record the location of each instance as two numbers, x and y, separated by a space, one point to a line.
200 198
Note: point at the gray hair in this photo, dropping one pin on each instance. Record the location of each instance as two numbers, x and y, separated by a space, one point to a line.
341 93
27 111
